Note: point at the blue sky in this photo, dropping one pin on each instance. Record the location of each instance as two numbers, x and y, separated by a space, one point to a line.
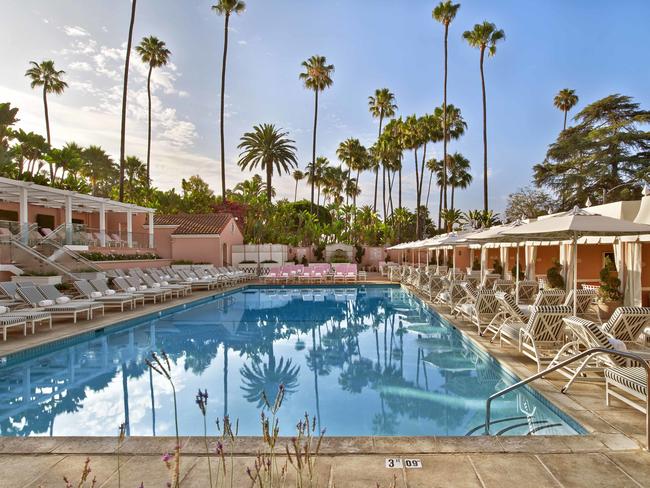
594 47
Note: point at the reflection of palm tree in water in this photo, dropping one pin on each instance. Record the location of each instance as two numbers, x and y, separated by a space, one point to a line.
260 379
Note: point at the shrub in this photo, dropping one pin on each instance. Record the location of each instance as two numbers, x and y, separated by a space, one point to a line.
304 261
110 256
476 265
182 261
609 290
359 252
497 267
522 275
247 261
554 276
319 252
269 261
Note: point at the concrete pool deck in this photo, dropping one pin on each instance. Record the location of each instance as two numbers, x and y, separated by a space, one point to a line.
611 455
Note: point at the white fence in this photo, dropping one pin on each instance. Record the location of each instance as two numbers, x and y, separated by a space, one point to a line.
259 253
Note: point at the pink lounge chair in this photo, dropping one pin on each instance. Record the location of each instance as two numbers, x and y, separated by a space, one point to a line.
274 274
340 271
351 272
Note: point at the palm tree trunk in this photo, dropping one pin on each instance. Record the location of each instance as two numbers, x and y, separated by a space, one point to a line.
565 113
453 191
149 121
295 193
374 202
444 123
417 195
440 210
485 158
124 95
399 194
47 128
313 151
383 190
269 177
221 115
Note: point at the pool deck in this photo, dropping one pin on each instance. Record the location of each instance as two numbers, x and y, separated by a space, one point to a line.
611 455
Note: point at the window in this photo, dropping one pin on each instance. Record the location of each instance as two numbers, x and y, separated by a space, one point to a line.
45 221
10 215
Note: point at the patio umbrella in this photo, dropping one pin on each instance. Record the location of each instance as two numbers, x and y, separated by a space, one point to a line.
452 240
573 225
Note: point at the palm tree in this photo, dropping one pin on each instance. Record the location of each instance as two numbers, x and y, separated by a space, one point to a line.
455 126
459 174
316 174
565 100
98 165
267 147
124 94
484 36
317 76
445 12
154 53
298 176
381 105
355 156
47 76
225 8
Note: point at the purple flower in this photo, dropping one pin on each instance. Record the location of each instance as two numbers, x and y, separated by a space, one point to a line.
167 457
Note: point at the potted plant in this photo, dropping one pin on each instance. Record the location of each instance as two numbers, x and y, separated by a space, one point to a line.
609 294
476 265
554 277
497 268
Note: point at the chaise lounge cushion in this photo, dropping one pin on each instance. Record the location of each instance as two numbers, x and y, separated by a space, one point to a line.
632 378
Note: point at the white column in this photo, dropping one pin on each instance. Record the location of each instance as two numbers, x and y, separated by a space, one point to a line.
151 241
129 228
68 219
102 225
23 216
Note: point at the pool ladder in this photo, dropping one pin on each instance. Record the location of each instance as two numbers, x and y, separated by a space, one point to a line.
584 354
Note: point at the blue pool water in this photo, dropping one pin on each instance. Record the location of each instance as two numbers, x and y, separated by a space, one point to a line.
370 360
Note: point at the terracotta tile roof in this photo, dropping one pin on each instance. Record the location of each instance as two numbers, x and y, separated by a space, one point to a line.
191 224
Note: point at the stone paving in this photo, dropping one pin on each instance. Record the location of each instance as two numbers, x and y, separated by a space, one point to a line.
611 455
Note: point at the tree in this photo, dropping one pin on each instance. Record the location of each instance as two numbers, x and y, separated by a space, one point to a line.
528 203
47 76
225 8
455 127
381 105
565 100
197 196
8 118
459 174
606 151
154 53
100 170
484 36
355 156
316 175
269 148
480 219
445 12
297 176
124 95
317 76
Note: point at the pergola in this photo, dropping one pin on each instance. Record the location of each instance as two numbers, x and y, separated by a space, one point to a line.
25 193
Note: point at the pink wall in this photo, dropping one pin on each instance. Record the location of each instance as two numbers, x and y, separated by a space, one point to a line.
143 263
200 249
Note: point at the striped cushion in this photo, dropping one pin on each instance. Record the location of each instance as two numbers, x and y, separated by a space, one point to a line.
633 378
11 320
626 323
511 330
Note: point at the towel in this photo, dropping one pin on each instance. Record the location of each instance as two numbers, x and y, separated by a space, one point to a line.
143 287
3 309
155 285
46 303
64 300
131 289
109 292
164 283
617 344
96 294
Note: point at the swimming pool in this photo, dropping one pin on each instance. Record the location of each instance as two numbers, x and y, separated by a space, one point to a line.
365 360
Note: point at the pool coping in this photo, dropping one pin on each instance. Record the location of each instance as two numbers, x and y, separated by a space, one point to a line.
599 438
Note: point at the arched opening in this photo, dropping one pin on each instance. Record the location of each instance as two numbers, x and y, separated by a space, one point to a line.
225 258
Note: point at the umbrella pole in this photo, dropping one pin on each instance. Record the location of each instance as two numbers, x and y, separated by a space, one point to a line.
575 274
517 277
453 260
480 256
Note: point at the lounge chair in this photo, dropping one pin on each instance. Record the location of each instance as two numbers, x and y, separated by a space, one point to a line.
550 297
435 286
509 311
480 312
585 298
177 290
196 282
541 337
469 296
489 279
623 383
452 293
528 290
100 285
8 321
506 286
628 323
117 300
156 293
351 273
35 299
586 335
50 292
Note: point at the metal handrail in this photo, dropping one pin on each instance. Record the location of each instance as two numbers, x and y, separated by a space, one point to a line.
588 352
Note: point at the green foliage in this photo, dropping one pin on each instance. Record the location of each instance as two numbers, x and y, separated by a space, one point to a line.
339 256
609 290
528 203
182 262
554 276
110 256
304 261
481 219
359 251
609 146
319 252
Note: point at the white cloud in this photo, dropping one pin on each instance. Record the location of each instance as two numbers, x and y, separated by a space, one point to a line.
242 42
80 66
75 31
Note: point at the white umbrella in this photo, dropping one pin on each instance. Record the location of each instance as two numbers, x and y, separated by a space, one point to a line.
573 225
452 240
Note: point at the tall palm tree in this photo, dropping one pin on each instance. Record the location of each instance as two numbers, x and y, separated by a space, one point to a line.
459 174
316 173
298 176
268 147
225 8
445 12
47 76
381 104
124 94
565 100
355 156
317 76
484 36
153 52
455 127
97 166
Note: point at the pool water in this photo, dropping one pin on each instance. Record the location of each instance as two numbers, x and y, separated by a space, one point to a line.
365 360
